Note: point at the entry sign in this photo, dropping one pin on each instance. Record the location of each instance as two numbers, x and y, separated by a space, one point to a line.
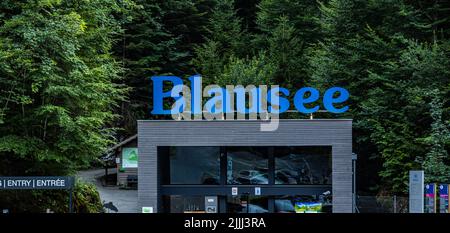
37 182
416 191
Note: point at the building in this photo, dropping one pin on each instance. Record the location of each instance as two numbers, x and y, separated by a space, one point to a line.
124 158
232 166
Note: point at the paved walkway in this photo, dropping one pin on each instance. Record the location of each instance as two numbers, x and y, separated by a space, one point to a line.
124 200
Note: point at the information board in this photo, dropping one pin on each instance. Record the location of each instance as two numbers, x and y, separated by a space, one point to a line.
416 191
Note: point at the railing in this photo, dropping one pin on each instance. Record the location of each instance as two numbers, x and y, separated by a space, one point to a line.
382 204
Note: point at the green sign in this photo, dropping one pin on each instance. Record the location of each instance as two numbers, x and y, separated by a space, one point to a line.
129 157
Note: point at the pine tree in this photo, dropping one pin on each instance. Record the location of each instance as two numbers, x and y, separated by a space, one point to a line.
224 39
288 53
369 49
302 15
157 40
58 82
435 164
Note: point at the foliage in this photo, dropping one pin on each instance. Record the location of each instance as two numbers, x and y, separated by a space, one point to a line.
158 39
224 38
65 67
389 54
58 81
435 163
85 200
254 71
389 74
59 84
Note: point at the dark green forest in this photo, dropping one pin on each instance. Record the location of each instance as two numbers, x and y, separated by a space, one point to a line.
74 75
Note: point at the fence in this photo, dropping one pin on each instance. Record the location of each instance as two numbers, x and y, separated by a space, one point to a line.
382 204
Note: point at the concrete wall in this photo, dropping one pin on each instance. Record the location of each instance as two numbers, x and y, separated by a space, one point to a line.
330 132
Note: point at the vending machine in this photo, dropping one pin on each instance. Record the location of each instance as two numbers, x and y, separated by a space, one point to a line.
443 199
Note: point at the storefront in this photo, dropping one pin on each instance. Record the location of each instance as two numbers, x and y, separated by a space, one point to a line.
232 166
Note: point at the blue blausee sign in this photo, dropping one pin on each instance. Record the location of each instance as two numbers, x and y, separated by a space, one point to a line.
261 99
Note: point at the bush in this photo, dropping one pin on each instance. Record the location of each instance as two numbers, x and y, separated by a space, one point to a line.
85 200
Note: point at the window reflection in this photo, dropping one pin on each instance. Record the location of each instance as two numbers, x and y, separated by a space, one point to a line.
247 165
302 165
247 204
185 204
194 165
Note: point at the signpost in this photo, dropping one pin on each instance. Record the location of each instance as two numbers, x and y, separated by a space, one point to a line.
39 183
416 191
443 199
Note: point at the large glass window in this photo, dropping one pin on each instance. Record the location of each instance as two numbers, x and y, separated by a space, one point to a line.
303 165
296 165
247 165
194 165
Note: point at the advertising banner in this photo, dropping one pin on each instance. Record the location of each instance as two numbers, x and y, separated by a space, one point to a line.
308 207
130 157
430 198
443 198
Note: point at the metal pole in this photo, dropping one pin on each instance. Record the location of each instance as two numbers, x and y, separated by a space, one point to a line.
248 204
72 184
395 204
354 186
354 158
70 200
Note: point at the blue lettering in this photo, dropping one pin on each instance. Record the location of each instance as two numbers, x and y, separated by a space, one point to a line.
299 99
328 99
159 94
283 103
212 104
196 98
277 97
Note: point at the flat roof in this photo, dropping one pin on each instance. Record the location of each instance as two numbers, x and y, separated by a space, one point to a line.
337 119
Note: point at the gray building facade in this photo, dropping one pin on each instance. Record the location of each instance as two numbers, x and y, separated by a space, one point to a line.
153 135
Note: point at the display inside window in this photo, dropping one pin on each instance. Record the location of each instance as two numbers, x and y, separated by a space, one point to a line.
303 165
194 165
185 204
247 204
303 204
247 165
